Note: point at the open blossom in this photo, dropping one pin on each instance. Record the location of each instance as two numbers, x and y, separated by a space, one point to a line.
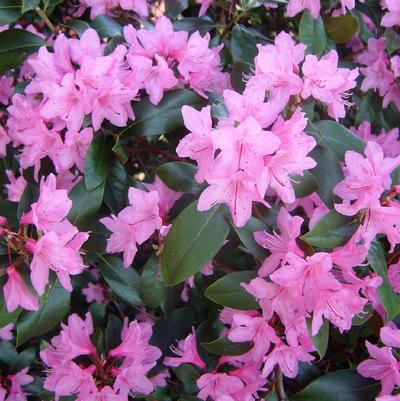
134 224
326 82
16 186
218 386
16 391
5 332
296 6
93 292
392 17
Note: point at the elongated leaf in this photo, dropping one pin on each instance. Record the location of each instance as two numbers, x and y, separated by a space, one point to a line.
179 177
15 46
10 11
342 28
304 185
163 118
327 172
342 385
312 33
117 186
123 281
227 291
194 239
28 5
29 196
175 7
338 138
193 24
97 161
223 346
321 339
389 299
106 26
243 45
78 26
332 230
54 305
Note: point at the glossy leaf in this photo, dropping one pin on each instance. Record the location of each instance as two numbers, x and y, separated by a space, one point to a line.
151 288
10 11
321 339
243 45
223 346
304 185
312 33
106 27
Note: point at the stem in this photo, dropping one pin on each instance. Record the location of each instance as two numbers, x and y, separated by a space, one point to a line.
46 20
280 390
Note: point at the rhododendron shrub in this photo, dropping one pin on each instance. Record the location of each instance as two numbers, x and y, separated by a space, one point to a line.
199 200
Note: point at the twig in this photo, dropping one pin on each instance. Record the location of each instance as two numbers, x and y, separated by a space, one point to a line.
46 20
280 390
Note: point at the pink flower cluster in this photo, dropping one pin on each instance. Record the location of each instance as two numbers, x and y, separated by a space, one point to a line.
76 368
12 389
380 72
57 247
314 6
383 365
99 7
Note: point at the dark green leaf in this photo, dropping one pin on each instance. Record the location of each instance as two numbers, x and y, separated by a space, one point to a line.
243 45
15 46
338 138
179 177
194 239
304 185
107 27
54 305
342 385
223 346
193 24
28 5
327 172
97 161
188 374
246 236
228 292
342 28
78 26
175 7
392 40
167 331
28 197
151 289
320 340
389 299
9 210
123 281
84 203
112 335
10 11
116 190
165 117
312 34
332 230
23 360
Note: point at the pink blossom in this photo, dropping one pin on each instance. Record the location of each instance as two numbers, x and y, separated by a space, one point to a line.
20 379
394 276
16 186
6 89
218 386
392 17
326 82
205 4
390 336
296 6
4 141
5 332
16 294
186 352
94 292
279 244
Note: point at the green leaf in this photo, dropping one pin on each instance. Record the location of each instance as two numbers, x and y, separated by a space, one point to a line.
342 385
389 299
54 305
243 45
338 138
107 27
332 230
194 239
78 26
327 172
123 281
28 5
304 185
97 161
151 288
10 11
341 29
392 39
228 292
165 117
112 335
84 203
117 186
179 177
15 46
223 346
9 210
320 340
188 374
175 7
312 33
193 24
246 236
28 197
168 330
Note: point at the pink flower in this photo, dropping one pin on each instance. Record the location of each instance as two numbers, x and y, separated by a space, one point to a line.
6 89
197 144
295 6
280 244
186 352
134 224
20 379
383 366
57 253
73 341
5 332
218 386
16 294
94 292
392 17
287 358
326 82
4 141
205 4
390 336
16 186
376 52
394 277
139 6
